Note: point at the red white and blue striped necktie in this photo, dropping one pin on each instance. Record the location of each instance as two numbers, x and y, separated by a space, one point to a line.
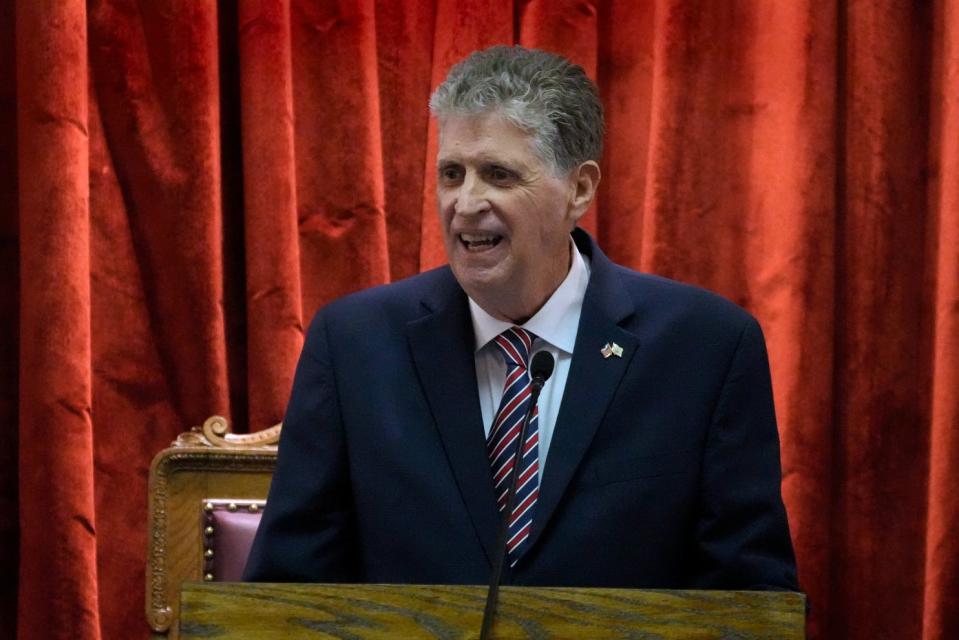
515 344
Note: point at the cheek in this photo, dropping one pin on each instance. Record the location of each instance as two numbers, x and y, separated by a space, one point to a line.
444 208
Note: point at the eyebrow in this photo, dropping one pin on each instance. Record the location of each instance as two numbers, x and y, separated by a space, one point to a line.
483 160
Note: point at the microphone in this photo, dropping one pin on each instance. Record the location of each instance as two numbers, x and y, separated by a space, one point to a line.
540 369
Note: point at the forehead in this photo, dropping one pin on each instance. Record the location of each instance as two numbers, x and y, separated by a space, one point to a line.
464 138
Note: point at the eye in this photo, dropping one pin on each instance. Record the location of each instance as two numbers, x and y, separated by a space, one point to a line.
500 175
451 174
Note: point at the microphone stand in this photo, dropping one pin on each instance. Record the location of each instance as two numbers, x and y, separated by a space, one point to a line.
493 593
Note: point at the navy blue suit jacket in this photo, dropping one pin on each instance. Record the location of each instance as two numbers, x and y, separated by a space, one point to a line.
663 470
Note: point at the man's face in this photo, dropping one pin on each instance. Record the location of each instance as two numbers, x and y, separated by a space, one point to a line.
506 217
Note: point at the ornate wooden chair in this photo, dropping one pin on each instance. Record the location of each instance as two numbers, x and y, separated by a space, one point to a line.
207 491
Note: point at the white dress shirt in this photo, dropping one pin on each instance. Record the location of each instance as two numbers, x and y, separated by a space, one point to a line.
554 326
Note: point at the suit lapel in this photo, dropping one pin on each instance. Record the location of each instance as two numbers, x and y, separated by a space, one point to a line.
591 384
442 347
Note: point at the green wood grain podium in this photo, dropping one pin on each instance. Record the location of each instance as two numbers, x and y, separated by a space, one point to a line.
291 611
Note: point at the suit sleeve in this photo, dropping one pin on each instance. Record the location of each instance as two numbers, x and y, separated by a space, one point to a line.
742 531
307 533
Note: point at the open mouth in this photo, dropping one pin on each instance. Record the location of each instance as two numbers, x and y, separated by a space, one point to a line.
479 242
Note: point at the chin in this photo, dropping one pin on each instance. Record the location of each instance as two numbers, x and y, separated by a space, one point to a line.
480 283
483 279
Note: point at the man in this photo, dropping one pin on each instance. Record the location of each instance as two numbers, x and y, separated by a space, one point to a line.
653 457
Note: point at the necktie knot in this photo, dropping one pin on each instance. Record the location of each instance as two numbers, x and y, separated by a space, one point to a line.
515 344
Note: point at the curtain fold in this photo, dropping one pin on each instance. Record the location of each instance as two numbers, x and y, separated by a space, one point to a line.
882 360
273 301
339 167
941 588
404 32
58 571
186 182
9 323
161 127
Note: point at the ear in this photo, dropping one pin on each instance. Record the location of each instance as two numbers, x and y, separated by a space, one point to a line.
583 181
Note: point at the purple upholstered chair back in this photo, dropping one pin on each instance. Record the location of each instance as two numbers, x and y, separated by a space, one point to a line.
228 530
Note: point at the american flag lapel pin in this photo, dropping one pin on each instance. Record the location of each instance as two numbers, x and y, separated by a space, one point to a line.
611 349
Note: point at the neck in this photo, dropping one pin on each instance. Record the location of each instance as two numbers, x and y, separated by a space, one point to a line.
519 308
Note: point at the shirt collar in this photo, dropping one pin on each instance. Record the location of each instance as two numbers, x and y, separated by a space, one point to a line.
556 322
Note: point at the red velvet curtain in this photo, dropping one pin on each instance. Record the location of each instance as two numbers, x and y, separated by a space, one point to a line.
184 182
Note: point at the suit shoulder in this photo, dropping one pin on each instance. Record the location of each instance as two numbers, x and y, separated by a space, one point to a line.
392 304
682 302
408 291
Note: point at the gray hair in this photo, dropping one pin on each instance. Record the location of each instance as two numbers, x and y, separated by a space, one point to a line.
542 93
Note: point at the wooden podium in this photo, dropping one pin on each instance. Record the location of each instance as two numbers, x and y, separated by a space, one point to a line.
291 611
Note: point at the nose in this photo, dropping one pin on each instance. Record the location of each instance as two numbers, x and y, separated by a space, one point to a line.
471 197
